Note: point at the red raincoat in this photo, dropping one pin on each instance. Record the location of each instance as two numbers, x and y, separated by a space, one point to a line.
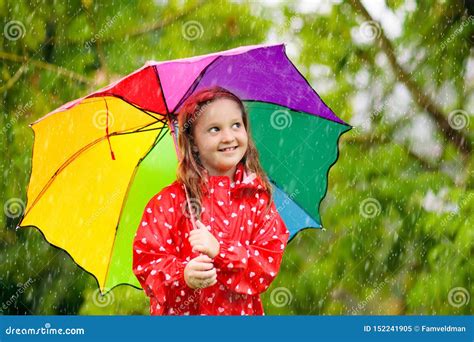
251 248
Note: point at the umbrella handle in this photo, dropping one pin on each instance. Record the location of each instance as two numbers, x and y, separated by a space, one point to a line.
178 154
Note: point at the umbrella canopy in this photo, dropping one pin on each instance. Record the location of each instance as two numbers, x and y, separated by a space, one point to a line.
99 159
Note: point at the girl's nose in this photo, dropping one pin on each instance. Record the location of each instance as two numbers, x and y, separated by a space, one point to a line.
227 136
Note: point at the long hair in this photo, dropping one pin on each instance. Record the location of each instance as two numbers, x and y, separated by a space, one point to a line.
190 171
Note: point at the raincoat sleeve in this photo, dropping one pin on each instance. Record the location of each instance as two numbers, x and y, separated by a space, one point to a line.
250 269
155 260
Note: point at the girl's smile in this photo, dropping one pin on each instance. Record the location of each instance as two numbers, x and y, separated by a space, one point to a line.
220 137
228 149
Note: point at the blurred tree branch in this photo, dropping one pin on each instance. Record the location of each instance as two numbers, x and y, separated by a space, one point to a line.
70 74
469 6
369 141
460 140
166 21
43 65
11 81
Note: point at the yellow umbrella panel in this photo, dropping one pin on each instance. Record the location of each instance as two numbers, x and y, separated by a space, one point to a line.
82 182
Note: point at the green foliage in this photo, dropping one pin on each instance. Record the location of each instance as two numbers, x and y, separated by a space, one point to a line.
384 250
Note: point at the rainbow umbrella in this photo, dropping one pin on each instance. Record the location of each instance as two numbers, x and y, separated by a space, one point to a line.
99 159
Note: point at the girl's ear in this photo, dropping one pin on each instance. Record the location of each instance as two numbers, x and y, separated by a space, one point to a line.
194 148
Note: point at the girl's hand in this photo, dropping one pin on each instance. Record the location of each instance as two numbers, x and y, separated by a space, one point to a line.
203 241
200 272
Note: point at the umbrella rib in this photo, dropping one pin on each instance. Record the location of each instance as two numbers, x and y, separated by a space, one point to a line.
297 111
162 90
193 86
163 121
196 82
141 129
98 98
130 103
173 134
160 136
141 109
70 160
296 203
312 89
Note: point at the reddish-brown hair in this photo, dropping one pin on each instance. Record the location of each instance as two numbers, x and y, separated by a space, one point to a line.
190 169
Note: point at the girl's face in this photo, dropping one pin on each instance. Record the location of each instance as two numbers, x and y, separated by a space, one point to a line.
220 137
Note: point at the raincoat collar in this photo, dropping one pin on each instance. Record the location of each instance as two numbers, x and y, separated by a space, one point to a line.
242 179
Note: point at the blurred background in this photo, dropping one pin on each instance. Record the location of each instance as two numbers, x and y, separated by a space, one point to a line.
399 212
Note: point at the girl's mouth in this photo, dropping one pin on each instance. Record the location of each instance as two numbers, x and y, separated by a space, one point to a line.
228 149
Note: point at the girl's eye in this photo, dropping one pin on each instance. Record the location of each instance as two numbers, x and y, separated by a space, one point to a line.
216 129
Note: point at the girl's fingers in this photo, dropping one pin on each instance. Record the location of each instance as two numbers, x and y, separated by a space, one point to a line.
199 248
210 282
196 232
199 224
194 239
202 266
193 234
204 275
203 258
200 231
196 243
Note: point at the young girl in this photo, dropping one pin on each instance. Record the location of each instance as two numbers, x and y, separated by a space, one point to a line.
233 255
